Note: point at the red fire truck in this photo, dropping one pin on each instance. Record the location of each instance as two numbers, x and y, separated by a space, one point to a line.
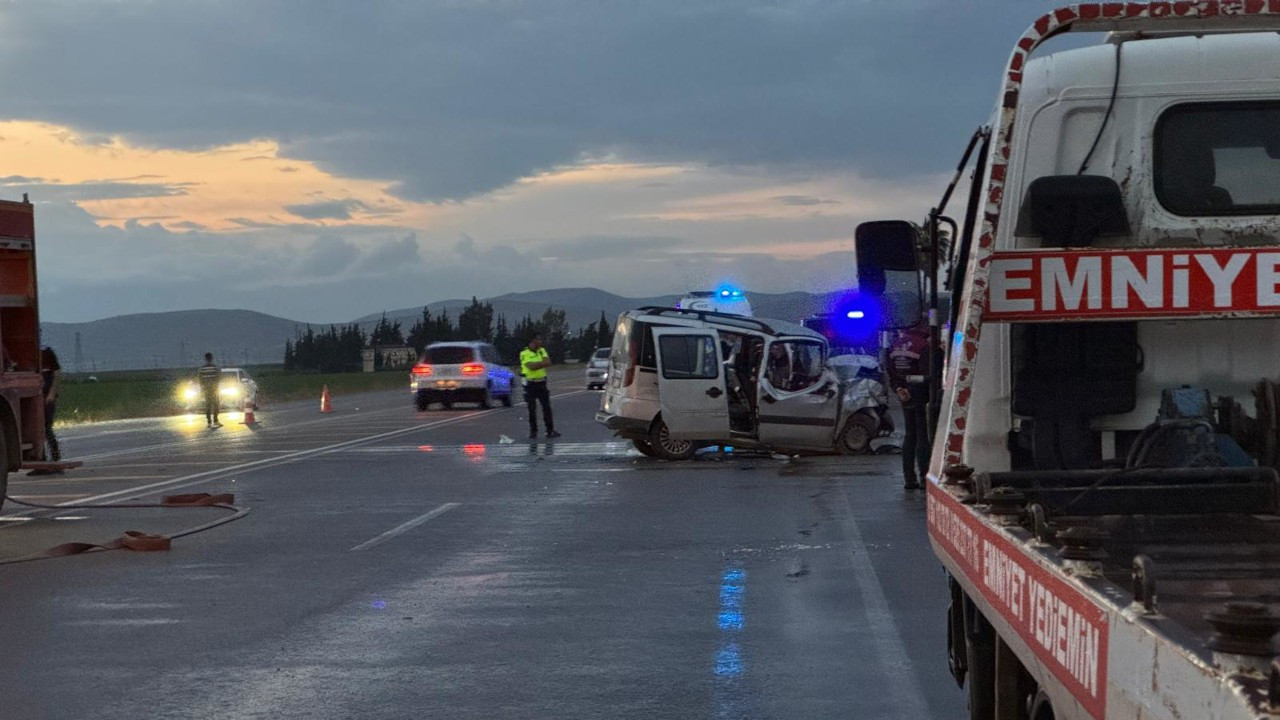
1104 491
21 396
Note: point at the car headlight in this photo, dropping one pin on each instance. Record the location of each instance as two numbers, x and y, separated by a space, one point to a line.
189 392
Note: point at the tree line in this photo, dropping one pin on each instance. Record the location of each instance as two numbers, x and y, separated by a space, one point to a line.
338 348
334 350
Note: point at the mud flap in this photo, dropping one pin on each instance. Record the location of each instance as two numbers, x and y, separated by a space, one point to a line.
957 656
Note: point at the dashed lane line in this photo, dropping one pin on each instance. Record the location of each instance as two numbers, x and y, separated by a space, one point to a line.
405 527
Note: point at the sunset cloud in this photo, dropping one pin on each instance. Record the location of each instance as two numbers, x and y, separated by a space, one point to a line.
215 189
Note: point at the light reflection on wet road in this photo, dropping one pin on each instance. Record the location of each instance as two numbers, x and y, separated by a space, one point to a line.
404 565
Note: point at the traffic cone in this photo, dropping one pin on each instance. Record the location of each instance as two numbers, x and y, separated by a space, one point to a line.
248 415
326 405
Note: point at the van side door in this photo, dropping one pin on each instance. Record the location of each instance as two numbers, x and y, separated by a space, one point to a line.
798 398
691 390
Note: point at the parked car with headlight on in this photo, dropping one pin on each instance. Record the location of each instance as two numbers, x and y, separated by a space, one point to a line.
598 369
236 391
461 371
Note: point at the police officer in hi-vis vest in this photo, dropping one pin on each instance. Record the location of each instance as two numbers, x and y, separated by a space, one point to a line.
534 362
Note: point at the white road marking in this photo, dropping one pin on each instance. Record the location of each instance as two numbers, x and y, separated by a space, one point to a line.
898 674
405 527
48 479
209 475
43 498
336 419
160 464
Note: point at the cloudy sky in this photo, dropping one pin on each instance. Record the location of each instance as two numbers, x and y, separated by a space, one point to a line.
324 159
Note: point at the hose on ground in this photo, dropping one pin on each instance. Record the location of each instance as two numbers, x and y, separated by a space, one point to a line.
133 539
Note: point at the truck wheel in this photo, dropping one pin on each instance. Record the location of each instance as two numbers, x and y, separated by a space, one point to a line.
858 433
421 403
1041 708
644 447
4 471
666 447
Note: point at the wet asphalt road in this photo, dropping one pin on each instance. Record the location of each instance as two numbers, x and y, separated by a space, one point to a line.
415 565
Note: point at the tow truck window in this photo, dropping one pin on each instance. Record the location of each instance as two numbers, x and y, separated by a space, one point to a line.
688 357
1219 159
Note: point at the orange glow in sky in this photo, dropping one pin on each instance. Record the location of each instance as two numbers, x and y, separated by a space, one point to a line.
214 188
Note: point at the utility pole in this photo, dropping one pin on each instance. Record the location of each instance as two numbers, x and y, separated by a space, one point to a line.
78 361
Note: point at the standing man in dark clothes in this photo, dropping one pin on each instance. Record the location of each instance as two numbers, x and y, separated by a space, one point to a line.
908 365
534 362
209 375
51 375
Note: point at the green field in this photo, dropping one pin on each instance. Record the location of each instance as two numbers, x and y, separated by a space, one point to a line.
154 393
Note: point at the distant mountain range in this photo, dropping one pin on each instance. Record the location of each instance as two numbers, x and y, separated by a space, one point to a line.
243 337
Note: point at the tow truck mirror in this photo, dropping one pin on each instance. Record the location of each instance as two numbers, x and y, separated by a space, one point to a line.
889 270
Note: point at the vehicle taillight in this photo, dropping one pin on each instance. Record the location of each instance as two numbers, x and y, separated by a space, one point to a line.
421 369
473 369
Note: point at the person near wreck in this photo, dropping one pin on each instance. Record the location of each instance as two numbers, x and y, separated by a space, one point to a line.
534 362
907 369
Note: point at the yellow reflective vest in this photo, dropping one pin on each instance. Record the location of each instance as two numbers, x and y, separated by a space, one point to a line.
532 356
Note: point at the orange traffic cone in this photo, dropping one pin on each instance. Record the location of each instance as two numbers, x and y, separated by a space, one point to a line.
248 415
326 405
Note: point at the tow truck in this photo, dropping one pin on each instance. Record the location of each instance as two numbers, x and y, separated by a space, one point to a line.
1103 490
22 441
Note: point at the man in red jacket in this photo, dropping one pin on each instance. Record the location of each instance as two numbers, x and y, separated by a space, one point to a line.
908 367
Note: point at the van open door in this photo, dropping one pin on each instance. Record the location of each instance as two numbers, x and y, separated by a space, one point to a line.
691 390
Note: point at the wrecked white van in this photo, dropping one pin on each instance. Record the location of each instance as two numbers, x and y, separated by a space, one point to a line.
684 379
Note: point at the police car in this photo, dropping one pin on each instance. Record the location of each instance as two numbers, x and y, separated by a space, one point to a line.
730 301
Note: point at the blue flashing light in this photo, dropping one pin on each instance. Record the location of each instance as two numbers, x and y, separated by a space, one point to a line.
855 314
724 293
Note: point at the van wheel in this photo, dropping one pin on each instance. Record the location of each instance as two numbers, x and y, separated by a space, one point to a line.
644 447
421 403
666 447
858 433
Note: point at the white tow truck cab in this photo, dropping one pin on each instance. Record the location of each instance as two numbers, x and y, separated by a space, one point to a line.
684 379
1103 491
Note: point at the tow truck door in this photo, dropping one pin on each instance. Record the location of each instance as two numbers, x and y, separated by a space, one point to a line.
691 390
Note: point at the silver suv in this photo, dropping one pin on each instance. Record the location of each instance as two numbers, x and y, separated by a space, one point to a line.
461 371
